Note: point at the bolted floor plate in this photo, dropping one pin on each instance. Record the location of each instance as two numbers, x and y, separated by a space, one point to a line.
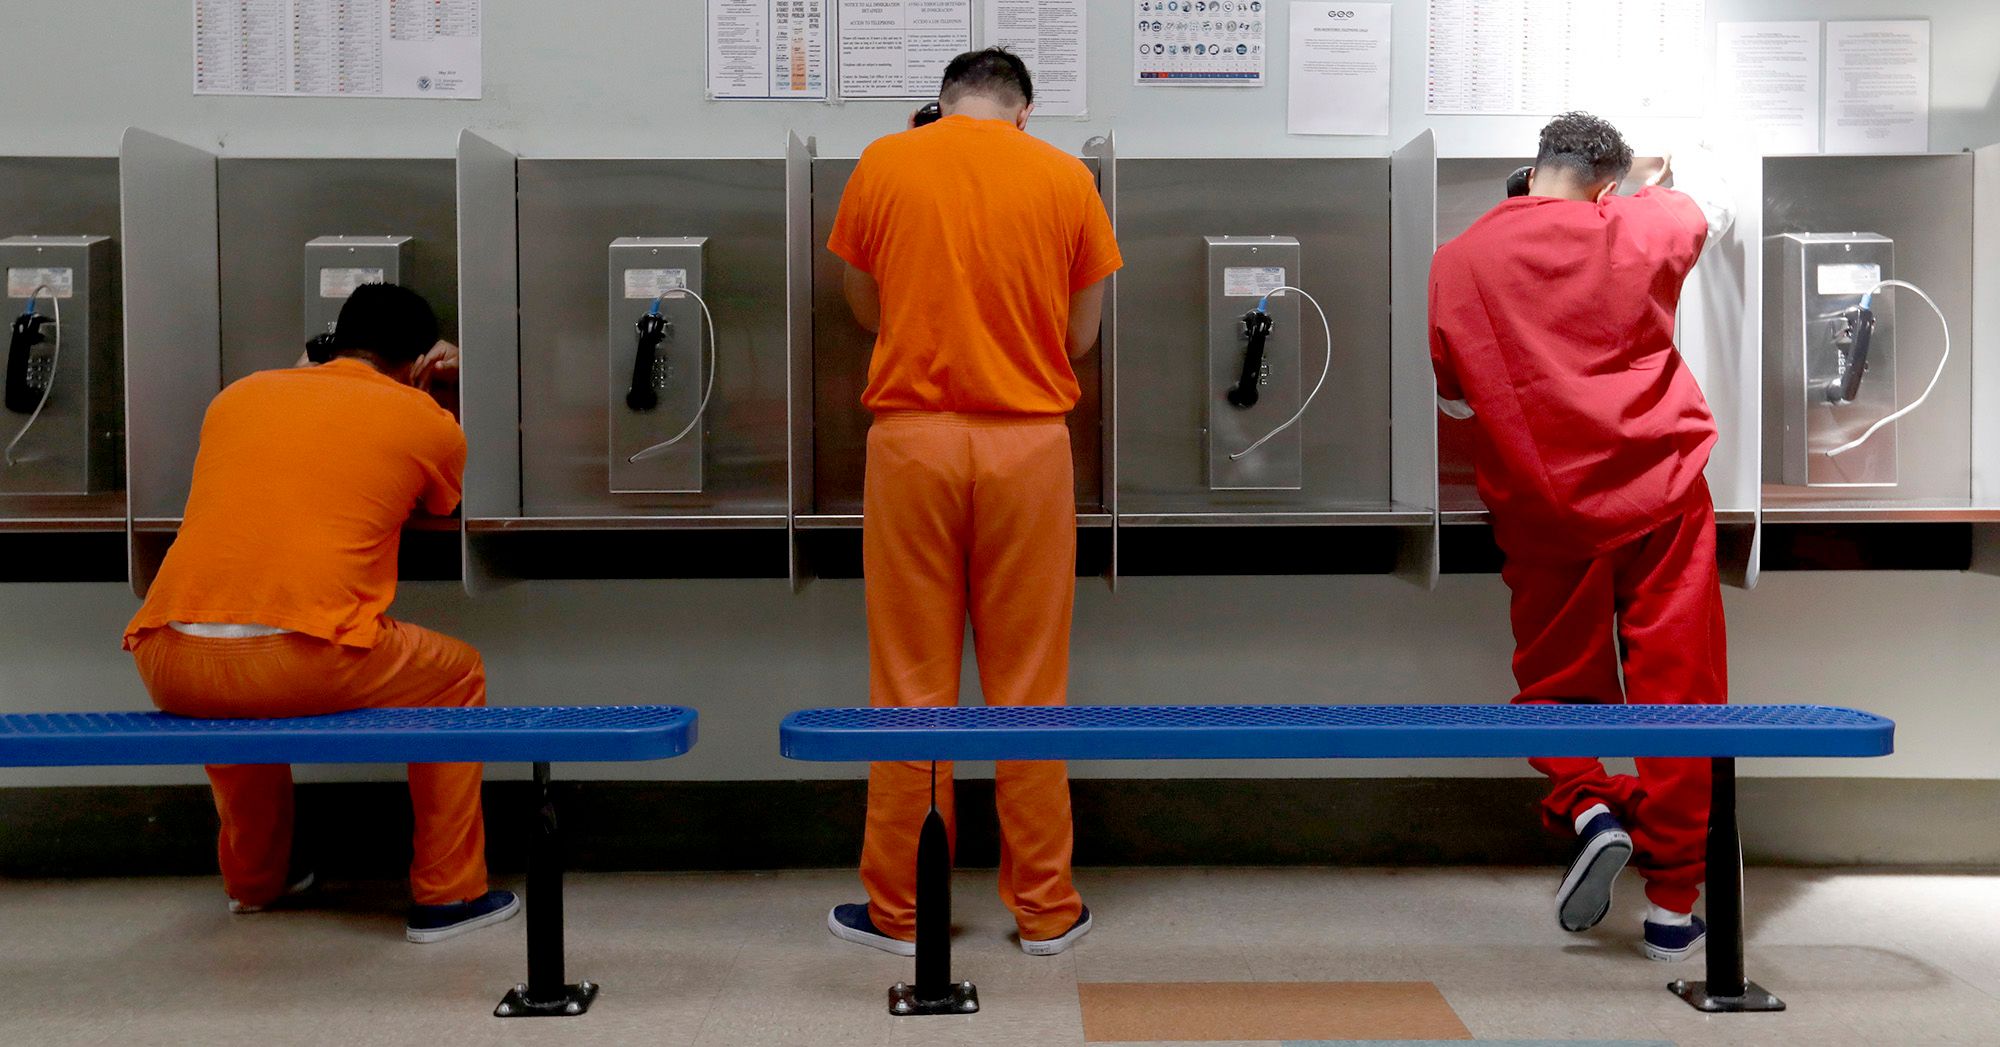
961 998
1754 998
575 1000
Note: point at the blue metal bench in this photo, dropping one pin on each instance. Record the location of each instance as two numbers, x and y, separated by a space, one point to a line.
1719 733
537 735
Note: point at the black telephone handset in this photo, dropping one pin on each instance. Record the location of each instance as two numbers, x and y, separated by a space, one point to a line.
320 349
22 337
1517 183
1856 328
652 329
1257 325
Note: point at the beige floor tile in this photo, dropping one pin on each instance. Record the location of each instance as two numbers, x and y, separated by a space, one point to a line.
1862 957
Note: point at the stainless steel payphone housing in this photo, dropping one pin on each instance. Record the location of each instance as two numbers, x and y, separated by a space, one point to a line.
1824 276
645 270
1242 270
74 445
336 265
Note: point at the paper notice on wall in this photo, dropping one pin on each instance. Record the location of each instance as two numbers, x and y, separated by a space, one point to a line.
1339 82
1767 80
899 48
1541 57
1878 87
767 49
338 48
1200 42
1049 35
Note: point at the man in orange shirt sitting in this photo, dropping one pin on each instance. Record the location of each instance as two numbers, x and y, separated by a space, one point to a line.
271 601
977 254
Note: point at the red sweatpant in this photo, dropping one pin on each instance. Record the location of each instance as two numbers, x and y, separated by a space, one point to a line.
295 675
970 514
1659 598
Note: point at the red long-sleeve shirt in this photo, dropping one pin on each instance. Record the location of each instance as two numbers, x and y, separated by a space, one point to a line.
1554 321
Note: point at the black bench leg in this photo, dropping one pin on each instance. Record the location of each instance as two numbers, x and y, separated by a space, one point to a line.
934 992
1727 988
544 994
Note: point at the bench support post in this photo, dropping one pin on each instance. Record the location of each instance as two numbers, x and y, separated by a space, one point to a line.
1727 988
934 991
544 994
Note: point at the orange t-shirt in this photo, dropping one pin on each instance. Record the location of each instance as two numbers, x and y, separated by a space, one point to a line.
301 488
978 235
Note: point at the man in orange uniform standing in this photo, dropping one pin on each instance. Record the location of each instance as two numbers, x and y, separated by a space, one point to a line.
271 601
978 254
1552 324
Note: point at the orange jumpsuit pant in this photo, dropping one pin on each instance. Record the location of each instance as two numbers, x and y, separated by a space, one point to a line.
1650 610
970 514
295 675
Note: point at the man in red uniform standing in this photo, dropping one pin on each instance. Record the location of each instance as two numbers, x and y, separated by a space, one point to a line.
1552 324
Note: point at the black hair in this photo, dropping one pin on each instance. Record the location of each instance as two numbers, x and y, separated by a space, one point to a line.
393 323
995 72
1586 146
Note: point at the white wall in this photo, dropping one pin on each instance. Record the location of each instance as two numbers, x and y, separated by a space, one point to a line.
623 78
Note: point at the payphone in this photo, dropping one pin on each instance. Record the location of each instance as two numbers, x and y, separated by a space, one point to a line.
1836 382
1253 363
61 426
656 393
1256 389
335 266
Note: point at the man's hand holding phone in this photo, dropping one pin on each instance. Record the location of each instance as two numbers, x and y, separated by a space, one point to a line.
436 372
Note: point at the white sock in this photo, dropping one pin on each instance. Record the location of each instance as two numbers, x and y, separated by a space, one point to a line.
1668 917
1593 811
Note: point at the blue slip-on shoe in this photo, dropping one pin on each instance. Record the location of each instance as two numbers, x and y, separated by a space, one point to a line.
1672 943
1585 894
435 923
1060 943
851 923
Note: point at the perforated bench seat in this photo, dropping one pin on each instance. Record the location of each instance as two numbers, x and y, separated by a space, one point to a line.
495 734
1718 733
1212 732
539 735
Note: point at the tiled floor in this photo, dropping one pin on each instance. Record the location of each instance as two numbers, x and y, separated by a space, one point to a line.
1862 958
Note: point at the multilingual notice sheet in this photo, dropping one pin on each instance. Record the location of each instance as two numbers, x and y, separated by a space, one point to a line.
767 49
338 48
1202 42
899 48
1049 35
1878 87
1767 79
1629 58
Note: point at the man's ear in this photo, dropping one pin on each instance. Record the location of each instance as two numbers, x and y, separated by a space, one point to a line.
1607 189
1021 120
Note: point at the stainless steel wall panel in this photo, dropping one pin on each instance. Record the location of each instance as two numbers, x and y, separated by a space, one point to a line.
173 339
1338 209
1413 225
800 251
1924 204
489 330
69 196
570 210
269 209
